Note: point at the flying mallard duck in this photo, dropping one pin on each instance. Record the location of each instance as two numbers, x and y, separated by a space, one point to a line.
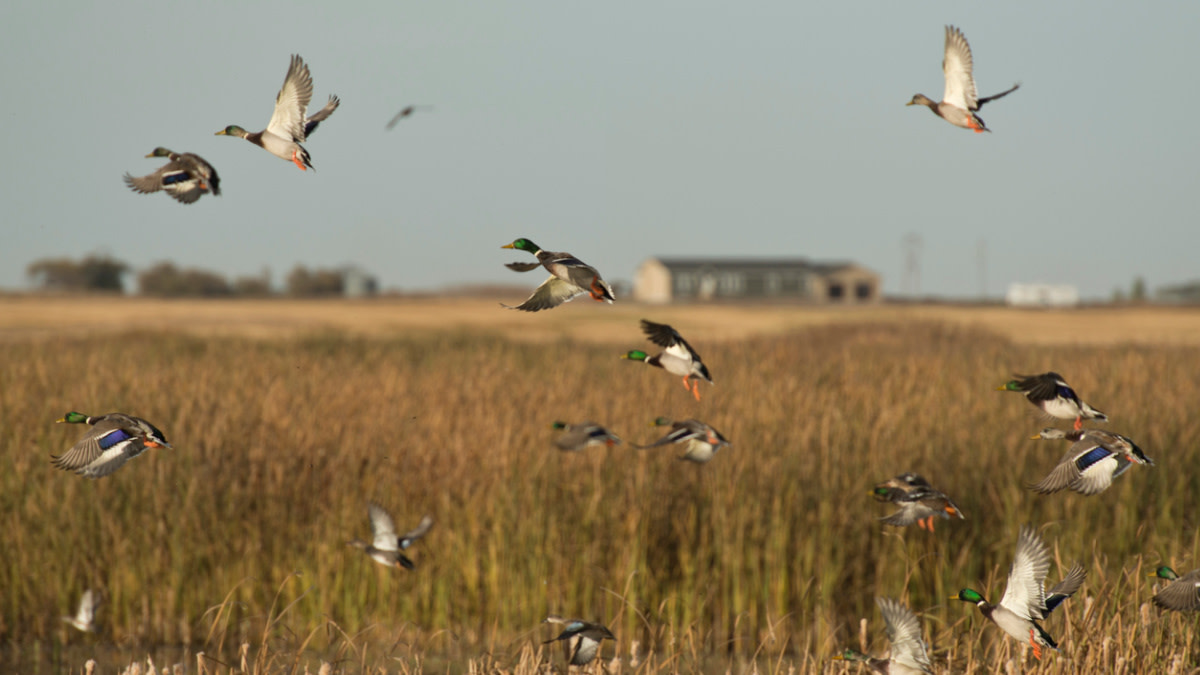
1182 594
919 502
700 441
1092 463
385 547
909 653
85 616
1051 393
406 112
585 435
959 101
289 127
114 439
678 358
1025 601
569 277
185 177
582 638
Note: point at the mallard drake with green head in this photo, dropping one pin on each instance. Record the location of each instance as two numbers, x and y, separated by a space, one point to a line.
289 127
1050 393
700 441
909 653
1092 463
577 437
114 439
919 502
678 357
1182 594
569 277
960 100
1025 601
85 616
385 547
185 177
582 638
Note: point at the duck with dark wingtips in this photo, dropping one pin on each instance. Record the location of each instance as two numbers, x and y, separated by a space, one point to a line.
1091 464
1182 594
919 502
699 440
1026 601
677 358
386 547
582 638
578 437
185 178
289 126
960 100
909 653
1051 394
570 277
113 440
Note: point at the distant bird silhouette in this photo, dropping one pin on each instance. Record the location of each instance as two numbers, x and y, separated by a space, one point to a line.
406 112
919 502
582 638
700 441
960 100
584 435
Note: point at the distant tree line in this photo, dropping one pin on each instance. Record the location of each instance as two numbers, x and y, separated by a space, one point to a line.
101 273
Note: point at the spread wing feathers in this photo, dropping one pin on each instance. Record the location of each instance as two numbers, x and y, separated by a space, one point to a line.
579 435
1025 596
664 336
108 439
904 632
86 614
680 432
1181 595
177 182
310 125
957 67
523 266
552 293
1065 588
383 530
292 101
1046 386
993 97
417 532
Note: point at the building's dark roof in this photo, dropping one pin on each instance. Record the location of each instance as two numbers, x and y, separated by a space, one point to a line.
687 264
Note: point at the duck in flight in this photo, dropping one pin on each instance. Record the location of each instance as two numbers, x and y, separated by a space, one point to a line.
960 100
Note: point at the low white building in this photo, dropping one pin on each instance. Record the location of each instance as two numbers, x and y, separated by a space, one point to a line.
1042 295
664 280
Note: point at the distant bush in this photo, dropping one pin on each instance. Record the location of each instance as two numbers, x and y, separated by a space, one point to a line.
322 282
93 273
168 281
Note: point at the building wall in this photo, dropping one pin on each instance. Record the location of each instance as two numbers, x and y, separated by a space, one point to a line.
652 283
655 282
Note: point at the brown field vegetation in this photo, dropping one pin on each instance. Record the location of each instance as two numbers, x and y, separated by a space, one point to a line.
286 417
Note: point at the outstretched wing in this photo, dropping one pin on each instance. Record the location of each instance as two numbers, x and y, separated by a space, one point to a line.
957 66
292 101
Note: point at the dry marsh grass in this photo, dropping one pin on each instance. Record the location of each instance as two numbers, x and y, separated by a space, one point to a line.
766 559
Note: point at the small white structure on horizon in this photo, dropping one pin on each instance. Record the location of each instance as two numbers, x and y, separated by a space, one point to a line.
1042 295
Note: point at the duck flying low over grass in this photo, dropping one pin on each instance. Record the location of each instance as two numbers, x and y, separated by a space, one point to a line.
582 638
960 100
289 127
1092 463
385 547
678 357
85 616
919 502
1182 594
569 277
185 177
1051 394
114 439
909 653
577 437
700 441
1025 601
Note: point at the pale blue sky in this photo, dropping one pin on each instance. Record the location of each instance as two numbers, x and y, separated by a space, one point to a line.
616 131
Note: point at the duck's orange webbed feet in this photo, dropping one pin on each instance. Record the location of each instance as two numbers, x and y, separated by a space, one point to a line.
1037 649
596 290
1078 423
296 159
696 389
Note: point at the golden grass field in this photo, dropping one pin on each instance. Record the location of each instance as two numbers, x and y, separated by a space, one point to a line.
287 416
